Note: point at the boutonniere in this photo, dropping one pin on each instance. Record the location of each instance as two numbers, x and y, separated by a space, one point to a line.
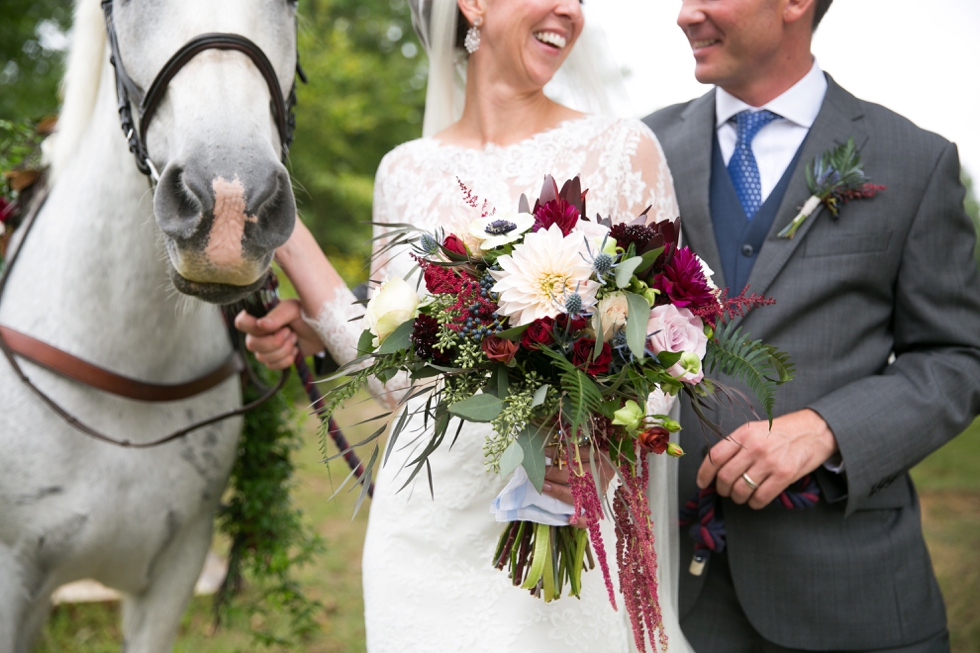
834 177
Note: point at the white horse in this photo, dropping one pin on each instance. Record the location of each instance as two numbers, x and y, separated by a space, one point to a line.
96 278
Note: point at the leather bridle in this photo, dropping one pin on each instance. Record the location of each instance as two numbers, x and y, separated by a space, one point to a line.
128 92
14 344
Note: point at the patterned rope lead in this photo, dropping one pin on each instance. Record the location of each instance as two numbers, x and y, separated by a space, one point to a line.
707 524
268 297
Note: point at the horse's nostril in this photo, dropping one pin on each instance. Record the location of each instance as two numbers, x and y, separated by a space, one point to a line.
179 205
186 204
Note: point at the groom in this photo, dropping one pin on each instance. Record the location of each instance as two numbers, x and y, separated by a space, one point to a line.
880 311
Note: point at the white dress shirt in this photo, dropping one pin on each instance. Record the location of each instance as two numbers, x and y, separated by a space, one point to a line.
776 144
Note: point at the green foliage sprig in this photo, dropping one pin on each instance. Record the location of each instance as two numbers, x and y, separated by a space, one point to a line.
762 367
268 537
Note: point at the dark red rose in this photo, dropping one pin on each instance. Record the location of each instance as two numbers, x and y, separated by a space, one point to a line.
655 439
440 279
454 244
538 334
499 349
583 349
425 334
683 281
577 323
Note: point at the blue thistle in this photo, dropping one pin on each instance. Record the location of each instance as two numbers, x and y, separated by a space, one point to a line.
573 304
602 263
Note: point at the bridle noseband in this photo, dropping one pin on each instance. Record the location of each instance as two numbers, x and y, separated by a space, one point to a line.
127 91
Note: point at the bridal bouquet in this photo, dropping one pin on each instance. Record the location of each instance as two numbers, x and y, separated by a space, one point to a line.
555 329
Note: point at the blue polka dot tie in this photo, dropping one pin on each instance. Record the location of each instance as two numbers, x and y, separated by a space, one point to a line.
742 167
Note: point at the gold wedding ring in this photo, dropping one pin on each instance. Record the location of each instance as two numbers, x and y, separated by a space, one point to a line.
748 481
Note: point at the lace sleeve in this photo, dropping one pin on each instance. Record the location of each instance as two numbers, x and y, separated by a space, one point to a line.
339 321
647 180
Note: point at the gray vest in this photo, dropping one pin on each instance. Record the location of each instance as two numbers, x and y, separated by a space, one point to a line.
740 239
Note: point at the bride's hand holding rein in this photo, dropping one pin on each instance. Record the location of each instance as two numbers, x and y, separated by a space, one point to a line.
276 338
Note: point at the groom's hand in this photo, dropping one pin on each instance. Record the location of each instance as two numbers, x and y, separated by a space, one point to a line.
797 444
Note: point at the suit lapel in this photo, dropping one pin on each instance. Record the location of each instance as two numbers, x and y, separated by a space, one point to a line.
838 120
692 180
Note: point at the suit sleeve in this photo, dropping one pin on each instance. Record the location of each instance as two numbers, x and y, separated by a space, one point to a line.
886 424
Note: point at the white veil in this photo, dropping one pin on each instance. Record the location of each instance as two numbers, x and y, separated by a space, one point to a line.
589 81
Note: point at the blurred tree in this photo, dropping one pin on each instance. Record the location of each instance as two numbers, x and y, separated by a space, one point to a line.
366 94
32 41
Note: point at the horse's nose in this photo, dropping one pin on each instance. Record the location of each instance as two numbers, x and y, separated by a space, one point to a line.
230 216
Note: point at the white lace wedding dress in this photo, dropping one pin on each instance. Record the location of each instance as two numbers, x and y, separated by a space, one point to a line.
429 586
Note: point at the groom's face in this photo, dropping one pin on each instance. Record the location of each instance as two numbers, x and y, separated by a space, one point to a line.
733 40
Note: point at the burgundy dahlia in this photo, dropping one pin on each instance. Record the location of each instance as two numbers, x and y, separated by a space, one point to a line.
683 281
558 211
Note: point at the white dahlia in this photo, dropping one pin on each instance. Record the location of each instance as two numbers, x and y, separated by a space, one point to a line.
540 273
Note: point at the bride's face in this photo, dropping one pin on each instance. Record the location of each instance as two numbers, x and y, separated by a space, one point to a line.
526 41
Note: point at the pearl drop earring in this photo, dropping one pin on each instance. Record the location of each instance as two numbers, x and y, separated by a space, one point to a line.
472 40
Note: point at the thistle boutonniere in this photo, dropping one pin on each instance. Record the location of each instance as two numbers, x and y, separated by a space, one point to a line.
834 177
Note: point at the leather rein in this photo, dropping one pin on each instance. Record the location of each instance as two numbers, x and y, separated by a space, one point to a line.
14 344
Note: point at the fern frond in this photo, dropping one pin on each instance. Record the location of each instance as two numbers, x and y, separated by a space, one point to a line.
761 367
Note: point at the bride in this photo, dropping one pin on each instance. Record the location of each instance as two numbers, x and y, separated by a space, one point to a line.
428 582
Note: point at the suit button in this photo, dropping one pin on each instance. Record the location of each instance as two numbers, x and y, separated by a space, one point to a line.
747 250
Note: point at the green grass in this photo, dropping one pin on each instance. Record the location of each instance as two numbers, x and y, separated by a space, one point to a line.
948 482
949 487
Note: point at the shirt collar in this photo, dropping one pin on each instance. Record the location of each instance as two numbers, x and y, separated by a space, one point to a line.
800 104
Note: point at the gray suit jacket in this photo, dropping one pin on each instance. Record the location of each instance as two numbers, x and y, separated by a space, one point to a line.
894 274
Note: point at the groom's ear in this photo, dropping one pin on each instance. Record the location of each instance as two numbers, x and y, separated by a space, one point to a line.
799 14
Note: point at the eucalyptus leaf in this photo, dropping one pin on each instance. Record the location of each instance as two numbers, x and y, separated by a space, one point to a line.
533 462
539 396
668 359
637 317
365 344
478 408
513 334
400 338
598 336
649 258
512 456
625 270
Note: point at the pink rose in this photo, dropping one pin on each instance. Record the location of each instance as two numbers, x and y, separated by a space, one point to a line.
678 330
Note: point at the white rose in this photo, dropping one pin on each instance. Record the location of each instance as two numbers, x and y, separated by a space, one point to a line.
596 234
392 304
612 311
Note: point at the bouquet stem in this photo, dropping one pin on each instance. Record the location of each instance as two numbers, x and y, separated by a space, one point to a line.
543 559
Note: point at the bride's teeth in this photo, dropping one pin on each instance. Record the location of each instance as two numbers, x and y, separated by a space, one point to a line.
704 44
551 38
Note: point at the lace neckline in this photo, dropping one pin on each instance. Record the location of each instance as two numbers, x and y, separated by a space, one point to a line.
494 147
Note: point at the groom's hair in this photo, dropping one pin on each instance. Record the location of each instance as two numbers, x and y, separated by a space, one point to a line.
822 7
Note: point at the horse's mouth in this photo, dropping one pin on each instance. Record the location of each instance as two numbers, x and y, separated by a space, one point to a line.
214 293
